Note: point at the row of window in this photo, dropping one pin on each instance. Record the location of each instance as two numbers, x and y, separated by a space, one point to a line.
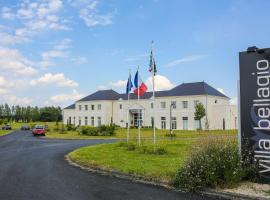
86 122
174 104
174 123
92 107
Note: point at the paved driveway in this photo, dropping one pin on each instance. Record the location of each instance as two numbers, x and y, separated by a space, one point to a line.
34 168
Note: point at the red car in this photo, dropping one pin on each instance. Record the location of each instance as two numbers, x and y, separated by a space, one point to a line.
38 130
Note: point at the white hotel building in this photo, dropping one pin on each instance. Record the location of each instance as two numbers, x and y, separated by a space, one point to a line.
107 106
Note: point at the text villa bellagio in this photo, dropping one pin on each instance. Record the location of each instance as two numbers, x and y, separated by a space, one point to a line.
262 106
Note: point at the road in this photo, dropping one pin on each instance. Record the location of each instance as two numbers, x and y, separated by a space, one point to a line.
34 168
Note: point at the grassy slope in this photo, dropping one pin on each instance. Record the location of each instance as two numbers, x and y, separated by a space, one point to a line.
156 167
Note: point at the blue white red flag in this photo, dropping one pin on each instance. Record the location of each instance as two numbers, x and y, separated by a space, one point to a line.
140 87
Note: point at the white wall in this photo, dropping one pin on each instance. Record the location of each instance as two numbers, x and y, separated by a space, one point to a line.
218 108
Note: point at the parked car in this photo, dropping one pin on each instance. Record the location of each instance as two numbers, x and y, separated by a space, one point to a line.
38 130
6 127
25 127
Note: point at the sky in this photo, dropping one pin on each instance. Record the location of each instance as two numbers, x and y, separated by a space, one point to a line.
54 52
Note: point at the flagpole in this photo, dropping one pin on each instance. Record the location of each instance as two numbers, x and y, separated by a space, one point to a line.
138 117
153 79
128 115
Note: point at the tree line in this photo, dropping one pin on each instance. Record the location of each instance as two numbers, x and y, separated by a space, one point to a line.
29 114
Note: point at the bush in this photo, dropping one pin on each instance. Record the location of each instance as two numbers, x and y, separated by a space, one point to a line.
131 146
97 131
152 150
71 127
215 165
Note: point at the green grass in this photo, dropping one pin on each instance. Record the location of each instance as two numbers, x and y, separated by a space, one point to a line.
5 132
73 135
146 134
116 157
150 166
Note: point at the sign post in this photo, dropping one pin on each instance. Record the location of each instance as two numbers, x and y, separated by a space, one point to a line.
255 106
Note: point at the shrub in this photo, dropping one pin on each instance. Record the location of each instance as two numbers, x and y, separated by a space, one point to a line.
97 131
131 146
70 127
215 165
161 151
89 130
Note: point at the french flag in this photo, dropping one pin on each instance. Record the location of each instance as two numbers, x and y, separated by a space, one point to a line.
140 87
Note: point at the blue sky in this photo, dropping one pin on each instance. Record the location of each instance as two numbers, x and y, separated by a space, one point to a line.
53 52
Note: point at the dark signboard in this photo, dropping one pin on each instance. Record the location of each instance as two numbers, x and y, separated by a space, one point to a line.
255 106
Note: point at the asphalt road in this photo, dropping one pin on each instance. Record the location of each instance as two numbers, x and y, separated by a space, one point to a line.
34 168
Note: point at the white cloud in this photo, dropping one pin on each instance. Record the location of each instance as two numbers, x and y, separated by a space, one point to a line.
64 44
118 84
13 62
14 100
221 90
66 98
79 60
4 83
58 79
185 60
53 54
88 12
42 15
161 83
58 51
7 13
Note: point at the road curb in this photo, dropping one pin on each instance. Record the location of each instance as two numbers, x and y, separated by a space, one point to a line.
140 179
134 178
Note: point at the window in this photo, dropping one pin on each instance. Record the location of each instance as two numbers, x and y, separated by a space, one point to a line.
120 106
69 120
185 123
85 107
74 119
216 101
196 124
92 107
99 121
152 105
185 104
99 106
92 121
196 102
163 105
163 122
174 123
152 122
173 103
80 121
85 121
80 107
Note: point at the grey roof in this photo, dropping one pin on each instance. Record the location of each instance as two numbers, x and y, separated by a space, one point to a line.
70 107
102 95
184 89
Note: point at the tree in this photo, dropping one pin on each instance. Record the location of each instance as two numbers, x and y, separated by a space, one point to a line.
199 113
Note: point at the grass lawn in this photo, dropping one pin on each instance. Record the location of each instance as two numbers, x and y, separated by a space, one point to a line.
146 134
150 166
116 157
4 132
73 135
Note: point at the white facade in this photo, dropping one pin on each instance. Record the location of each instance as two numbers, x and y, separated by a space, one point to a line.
219 113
